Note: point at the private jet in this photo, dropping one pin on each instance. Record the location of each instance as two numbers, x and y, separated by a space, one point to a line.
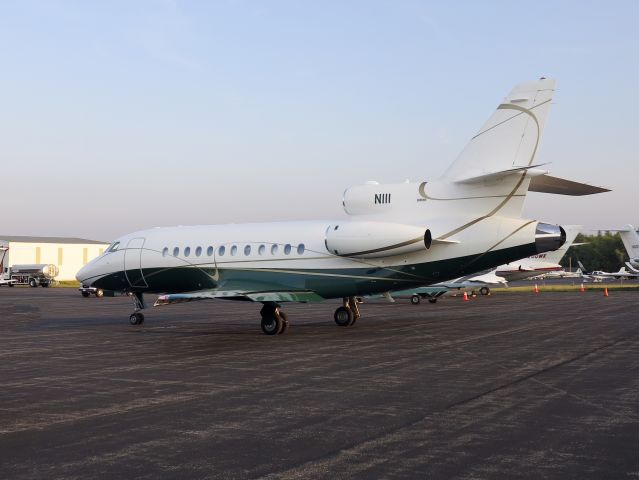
396 236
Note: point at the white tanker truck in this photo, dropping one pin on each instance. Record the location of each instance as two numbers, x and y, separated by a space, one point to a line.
34 275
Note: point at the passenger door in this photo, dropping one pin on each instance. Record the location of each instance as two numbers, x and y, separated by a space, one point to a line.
133 263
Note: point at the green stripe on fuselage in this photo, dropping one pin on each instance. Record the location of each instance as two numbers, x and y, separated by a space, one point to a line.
328 283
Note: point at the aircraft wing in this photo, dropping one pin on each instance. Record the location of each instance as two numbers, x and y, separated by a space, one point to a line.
237 294
625 274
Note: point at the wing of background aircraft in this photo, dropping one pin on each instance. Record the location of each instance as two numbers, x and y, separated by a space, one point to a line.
622 273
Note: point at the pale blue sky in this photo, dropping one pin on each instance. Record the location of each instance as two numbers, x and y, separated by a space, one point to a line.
143 113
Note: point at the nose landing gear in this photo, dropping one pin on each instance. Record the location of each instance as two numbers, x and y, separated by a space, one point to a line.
137 318
347 315
274 321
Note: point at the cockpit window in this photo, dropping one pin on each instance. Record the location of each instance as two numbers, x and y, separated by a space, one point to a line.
113 247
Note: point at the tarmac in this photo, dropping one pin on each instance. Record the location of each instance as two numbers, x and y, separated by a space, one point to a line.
504 386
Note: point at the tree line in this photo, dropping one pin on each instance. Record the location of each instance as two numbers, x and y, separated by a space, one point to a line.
603 251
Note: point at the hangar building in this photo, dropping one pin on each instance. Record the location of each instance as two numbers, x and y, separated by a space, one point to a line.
69 254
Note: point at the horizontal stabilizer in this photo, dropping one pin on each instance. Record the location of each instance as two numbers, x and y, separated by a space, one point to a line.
503 173
560 186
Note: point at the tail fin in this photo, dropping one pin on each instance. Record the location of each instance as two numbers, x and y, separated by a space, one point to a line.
571 233
510 137
630 240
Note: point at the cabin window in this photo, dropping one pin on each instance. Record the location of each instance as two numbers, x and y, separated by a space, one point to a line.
198 252
187 251
176 251
261 250
113 247
300 249
274 249
287 249
221 251
165 251
247 250
233 250
209 251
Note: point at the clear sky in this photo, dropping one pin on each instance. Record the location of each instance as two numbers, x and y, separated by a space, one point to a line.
121 115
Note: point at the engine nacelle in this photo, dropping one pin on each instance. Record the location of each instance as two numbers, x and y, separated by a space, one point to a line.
376 239
375 198
549 237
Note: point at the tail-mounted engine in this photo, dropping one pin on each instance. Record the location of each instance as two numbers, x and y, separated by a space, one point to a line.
376 239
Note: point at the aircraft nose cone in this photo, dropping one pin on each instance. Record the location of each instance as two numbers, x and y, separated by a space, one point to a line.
82 274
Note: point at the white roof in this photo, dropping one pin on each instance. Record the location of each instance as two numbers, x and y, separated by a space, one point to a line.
29 239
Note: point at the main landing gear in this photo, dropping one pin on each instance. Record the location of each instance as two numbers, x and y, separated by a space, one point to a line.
137 318
347 315
274 320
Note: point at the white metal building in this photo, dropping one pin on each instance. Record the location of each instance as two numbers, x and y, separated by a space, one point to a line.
69 254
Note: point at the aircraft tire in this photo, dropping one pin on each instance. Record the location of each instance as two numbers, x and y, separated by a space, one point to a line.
271 324
136 318
484 290
32 283
86 294
344 317
415 299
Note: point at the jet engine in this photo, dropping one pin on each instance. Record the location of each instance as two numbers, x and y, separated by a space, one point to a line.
549 237
376 239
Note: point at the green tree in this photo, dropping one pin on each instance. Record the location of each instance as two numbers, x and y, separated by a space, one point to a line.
604 251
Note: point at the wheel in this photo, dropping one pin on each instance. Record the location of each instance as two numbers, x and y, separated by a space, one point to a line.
271 323
32 283
85 294
99 293
11 284
484 290
344 317
285 324
415 299
136 318
432 300
45 285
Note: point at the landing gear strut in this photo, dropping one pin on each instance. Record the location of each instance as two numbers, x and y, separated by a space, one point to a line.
347 314
137 318
274 320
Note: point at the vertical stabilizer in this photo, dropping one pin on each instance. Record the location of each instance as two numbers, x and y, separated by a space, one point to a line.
571 233
630 240
510 138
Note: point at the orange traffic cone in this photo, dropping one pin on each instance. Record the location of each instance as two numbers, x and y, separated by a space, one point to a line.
465 296
582 289
606 292
536 289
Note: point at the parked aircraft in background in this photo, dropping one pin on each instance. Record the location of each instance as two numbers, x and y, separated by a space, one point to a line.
630 240
541 263
398 235
473 283
599 275
536 265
